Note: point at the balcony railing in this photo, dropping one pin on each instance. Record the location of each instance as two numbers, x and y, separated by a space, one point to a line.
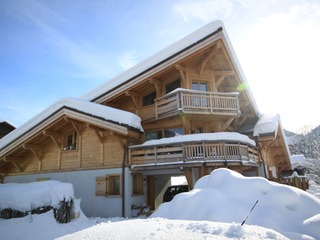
197 102
193 152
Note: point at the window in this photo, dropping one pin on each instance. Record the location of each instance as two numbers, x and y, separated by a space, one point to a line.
199 86
70 142
150 135
173 132
137 184
149 99
157 134
173 85
109 185
114 187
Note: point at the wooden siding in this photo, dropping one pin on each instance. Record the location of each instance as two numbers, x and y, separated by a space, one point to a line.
91 153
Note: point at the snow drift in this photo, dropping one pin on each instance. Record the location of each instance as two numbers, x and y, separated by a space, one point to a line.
28 196
227 196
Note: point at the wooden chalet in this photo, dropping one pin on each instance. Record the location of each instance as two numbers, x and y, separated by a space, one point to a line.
191 111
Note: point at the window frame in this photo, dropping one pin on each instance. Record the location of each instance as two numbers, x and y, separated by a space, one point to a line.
137 187
74 141
161 133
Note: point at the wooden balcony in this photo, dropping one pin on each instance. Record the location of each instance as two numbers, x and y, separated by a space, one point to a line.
210 153
197 102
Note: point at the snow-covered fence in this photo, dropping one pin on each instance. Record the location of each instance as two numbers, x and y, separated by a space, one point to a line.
19 200
294 180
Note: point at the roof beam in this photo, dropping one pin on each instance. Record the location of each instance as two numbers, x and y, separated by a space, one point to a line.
157 84
183 74
208 57
134 97
35 149
78 126
55 137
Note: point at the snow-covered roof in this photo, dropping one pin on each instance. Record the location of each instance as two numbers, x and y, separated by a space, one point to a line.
99 111
218 136
298 159
7 122
27 196
162 56
267 125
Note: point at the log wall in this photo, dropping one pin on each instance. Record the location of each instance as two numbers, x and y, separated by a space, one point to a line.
92 153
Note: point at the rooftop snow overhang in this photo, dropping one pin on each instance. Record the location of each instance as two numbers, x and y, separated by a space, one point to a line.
168 57
200 137
267 126
269 129
118 121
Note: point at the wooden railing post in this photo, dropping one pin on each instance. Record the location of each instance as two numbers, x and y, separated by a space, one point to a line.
155 154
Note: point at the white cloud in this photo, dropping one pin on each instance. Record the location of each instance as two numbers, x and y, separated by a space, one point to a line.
204 10
128 59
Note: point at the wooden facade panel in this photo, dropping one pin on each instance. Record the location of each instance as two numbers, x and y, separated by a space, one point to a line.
113 152
147 113
91 150
69 159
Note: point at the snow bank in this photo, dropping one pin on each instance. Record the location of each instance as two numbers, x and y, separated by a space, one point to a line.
27 196
227 196
160 228
218 136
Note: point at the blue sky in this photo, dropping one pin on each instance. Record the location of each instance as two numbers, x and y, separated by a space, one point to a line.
55 49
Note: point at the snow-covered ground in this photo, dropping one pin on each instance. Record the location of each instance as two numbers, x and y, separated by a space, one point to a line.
213 210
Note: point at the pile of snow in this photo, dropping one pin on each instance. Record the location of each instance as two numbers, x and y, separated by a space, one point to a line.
227 196
160 228
213 210
27 196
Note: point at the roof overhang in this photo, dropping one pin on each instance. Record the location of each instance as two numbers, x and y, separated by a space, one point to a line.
65 110
168 57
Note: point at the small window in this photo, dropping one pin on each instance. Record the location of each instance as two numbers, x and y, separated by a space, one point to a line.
109 185
149 99
137 184
114 186
70 141
173 85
